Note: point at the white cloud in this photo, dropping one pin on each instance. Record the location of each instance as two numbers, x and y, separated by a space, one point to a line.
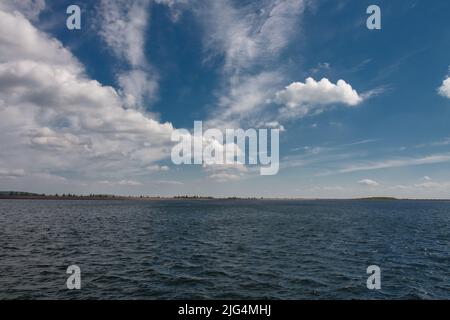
430 184
226 172
444 90
435 187
47 137
169 182
12 173
54 118
224 177
156 168
128 183
123 25
138 85
30 8
274 125
314 96
395 163
321 67
368 183
21 42
252 33
175 6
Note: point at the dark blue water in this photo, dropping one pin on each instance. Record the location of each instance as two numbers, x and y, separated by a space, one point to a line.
224 249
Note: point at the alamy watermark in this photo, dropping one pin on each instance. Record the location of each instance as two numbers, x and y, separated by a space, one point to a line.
228 147
374 20
74 280
374 280
73 22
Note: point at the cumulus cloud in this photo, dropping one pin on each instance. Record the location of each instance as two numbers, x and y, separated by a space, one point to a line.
368 183
444 90
47 137
21 41
53 117
315 96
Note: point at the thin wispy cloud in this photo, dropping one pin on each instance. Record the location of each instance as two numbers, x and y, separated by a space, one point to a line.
396 163
123 25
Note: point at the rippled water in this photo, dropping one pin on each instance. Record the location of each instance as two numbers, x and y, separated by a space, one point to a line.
224 249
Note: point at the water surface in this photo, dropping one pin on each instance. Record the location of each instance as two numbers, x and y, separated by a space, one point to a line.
224 249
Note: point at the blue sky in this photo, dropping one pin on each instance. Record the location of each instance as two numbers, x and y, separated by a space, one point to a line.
91 110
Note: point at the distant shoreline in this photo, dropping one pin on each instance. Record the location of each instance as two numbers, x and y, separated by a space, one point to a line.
10 195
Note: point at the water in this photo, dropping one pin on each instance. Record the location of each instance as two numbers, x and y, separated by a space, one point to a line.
224 249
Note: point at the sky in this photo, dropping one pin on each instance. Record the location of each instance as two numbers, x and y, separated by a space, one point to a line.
361 112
